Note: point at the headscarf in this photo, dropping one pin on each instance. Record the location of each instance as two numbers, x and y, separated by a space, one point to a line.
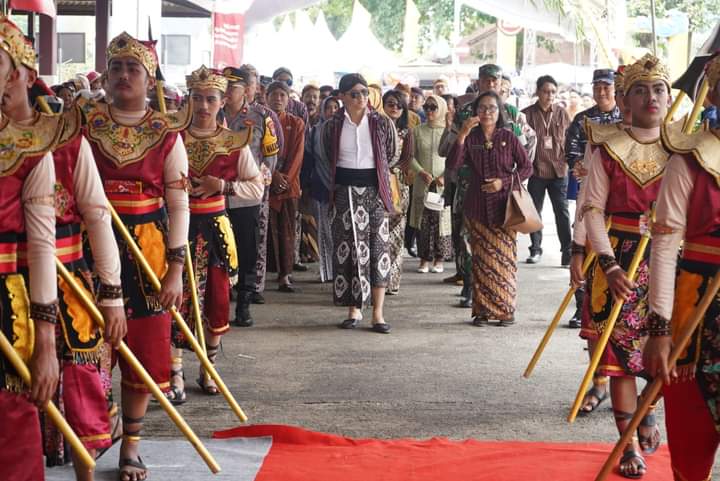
439 122
375 98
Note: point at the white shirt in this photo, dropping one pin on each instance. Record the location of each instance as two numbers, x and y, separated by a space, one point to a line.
356 145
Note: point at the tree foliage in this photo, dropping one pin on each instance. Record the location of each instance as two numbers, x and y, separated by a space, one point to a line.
436 19
701 13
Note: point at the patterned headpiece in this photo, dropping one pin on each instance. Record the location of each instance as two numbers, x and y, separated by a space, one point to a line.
712 71
620 79
648 68
13 41
144 52
206 78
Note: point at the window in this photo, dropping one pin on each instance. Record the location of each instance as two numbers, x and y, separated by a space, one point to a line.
176 49
71 47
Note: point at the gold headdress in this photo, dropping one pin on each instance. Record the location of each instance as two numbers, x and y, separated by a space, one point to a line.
712 71
620 79
206 78
648 68
124 45
13 41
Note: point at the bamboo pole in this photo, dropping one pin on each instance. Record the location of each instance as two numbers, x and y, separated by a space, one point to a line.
192 284
152 277
130 358
52 411
654 389
675 106
699 100
556 320
607 332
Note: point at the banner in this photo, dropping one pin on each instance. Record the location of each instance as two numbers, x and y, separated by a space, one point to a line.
46 7
228 33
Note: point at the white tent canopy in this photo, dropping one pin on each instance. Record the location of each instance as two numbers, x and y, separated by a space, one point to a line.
360 49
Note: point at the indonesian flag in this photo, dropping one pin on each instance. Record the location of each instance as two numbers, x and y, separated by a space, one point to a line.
228 33
46 7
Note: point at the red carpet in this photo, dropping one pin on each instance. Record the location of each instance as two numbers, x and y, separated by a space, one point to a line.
300 455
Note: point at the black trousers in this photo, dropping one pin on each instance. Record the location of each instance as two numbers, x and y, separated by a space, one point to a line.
245 222
557 190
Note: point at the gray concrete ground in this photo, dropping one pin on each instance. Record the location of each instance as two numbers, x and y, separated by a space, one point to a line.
435 375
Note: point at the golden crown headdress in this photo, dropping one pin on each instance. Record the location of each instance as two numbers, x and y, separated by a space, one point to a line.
124 45
13 41
712 71
648 68
206 78
620 79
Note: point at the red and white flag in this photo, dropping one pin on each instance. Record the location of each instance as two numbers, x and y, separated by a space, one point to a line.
46 7
228 33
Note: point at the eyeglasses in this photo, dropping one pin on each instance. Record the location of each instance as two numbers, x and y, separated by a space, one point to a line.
358 94
489 109
392 105
430 108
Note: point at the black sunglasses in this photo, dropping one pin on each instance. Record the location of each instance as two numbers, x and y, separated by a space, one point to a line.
430 108
357 94
391 104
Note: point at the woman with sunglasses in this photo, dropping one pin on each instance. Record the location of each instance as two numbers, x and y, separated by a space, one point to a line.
434 227
495 157
395 107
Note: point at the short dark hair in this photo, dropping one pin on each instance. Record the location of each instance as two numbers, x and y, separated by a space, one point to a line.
326 88
502 116
545 79
450 98
277 85
280 71
417 91
348 81
310 87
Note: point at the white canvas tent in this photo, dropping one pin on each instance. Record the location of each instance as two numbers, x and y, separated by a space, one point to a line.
359 49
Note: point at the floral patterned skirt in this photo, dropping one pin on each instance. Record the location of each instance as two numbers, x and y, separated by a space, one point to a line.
623 355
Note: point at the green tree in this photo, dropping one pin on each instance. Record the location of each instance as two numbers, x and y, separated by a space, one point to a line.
701 13
436 19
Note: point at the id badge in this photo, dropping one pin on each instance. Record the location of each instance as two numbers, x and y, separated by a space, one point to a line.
547 142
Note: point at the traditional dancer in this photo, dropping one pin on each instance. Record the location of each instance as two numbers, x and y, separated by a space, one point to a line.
221 165
143 165
249 218
688 208
594 134
27 320
629 164
79 198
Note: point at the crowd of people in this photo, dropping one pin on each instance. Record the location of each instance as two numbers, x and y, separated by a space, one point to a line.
240 177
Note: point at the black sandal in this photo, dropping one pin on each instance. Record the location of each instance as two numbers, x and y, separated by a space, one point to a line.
204 378
175 395
594 392
480 321
132 463
649 421
631 455
132 437
507 322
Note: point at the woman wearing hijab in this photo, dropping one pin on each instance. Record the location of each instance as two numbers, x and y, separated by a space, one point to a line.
434 227
395 107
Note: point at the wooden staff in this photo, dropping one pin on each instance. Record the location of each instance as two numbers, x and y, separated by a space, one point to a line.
609 326
17 363
130 358
699 100
199 330
654 389
556 320
152 277
675 106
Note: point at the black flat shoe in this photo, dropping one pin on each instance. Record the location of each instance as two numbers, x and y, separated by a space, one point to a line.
257 298
466 302
381 328
286 288
300 267
480 321
575 322
349 324
506 322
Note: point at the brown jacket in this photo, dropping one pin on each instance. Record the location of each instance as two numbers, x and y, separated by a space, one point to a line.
290 157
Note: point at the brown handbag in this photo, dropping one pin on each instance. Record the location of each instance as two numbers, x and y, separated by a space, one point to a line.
520 212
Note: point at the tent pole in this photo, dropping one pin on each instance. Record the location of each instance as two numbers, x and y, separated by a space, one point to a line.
652 22
456 31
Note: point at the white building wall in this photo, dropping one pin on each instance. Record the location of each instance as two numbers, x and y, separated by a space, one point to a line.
201 45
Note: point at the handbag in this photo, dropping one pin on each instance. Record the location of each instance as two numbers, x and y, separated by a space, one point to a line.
434 200
395 192
520 212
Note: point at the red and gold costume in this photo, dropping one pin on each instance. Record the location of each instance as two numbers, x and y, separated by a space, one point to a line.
688 210
143 166
226 155
629 164
26 208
